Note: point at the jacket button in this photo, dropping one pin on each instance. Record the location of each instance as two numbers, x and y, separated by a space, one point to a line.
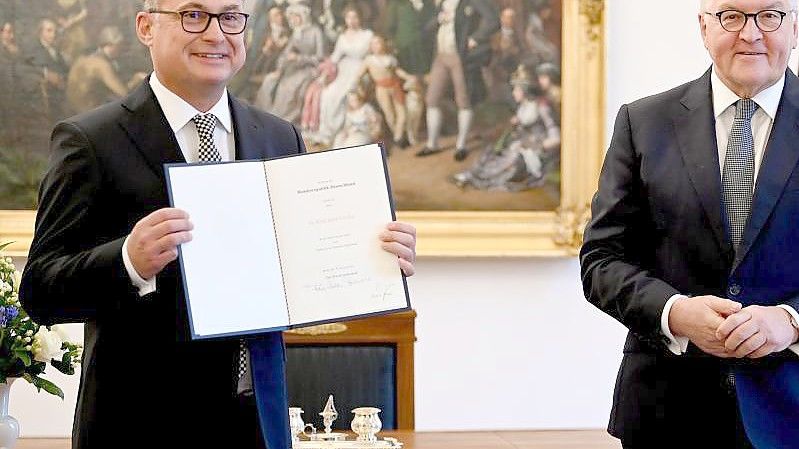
734 290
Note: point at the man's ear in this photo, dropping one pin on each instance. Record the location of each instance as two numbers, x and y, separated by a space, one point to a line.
703 28
144 28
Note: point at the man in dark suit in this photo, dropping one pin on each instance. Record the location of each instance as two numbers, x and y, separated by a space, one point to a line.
105 245
693 244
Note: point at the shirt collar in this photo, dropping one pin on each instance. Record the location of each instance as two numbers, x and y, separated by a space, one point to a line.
768 99
178 112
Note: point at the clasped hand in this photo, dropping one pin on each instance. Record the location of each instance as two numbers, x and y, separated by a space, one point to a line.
722 328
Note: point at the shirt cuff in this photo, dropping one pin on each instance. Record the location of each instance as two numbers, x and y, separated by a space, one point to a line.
794 347
677 345
145 286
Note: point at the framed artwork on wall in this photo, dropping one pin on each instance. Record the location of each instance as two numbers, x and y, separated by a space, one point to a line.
491 112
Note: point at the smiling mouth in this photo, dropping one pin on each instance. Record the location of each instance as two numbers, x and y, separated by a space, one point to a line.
751 53
210 55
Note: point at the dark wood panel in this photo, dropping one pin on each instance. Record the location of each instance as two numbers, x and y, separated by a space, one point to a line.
397 329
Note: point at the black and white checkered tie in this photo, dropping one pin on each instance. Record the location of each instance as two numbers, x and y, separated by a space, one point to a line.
737 181
205 129
242 360
208 153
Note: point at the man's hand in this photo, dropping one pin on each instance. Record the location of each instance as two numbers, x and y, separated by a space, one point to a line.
400 239
757 331
698 318
154 241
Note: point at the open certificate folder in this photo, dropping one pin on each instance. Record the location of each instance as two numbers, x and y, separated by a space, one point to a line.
286 242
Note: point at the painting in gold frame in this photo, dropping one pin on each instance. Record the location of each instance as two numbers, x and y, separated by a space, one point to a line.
554 232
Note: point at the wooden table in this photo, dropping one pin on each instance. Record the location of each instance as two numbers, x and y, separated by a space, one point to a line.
531 439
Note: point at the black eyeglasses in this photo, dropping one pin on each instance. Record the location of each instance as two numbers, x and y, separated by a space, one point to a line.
734 21
198 21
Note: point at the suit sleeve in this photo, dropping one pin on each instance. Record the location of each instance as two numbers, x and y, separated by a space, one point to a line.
72 273
615 250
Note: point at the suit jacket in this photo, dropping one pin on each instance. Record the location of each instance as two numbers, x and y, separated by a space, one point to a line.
658 230
140 370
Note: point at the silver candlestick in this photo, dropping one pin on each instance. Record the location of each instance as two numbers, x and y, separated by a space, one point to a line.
329 414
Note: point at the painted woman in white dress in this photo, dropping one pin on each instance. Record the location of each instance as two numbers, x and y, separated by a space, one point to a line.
362 123
283 90
351 48
521 158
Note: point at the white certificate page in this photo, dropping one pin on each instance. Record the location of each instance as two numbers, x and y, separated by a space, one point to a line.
231 268
329 210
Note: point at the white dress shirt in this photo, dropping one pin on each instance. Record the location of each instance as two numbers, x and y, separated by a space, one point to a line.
724 110
446 29
179 115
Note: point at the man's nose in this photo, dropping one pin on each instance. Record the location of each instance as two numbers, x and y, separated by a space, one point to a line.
750 32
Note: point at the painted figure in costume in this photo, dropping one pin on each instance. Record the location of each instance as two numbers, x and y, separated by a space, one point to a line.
388 79
351 48
283 89
462 30
361 122
517 160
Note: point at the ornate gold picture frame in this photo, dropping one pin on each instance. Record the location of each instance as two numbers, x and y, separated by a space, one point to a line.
502 233
549 233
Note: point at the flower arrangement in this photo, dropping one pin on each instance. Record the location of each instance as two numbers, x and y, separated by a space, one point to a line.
26 348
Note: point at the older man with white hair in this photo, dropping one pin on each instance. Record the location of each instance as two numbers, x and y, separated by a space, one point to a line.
693 244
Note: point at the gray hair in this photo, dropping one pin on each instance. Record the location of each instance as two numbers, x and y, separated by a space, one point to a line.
703 5
153 4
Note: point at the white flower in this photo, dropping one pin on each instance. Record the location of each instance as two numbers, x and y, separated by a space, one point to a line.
28 333
61 330
47 345
27 339
17 280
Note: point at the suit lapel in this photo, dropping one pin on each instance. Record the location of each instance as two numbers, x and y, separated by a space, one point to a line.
696 137
249 143
779 160
149 131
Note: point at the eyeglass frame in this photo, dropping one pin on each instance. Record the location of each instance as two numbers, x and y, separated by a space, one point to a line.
753 15
211 16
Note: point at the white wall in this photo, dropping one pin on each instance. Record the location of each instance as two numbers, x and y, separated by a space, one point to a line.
509 343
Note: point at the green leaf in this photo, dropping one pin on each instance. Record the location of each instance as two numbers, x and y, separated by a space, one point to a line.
36 368
24 356
46 385
64 366
4 245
